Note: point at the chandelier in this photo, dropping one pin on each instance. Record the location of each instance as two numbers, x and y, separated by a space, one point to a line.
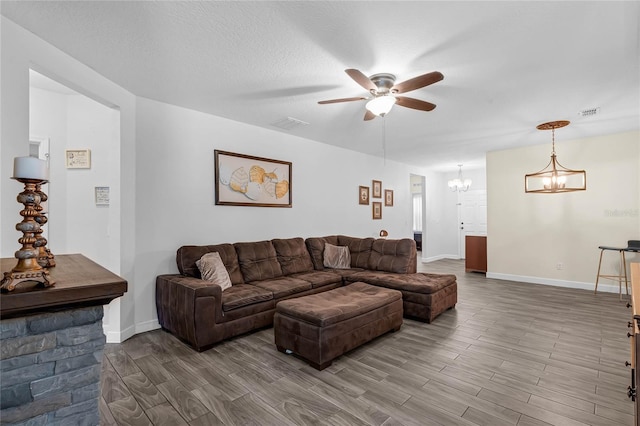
555 177
459 183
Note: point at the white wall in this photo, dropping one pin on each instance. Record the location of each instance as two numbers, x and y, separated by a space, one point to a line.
19 51
528 234
175 191
76 224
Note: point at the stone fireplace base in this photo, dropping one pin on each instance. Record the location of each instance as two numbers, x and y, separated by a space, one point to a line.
50 367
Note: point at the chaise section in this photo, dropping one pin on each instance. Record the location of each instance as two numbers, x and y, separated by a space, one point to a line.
425 296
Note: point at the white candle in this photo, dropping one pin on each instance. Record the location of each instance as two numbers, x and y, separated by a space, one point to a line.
30 168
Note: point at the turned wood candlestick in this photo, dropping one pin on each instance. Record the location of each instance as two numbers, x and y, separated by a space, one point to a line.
27 268
46 259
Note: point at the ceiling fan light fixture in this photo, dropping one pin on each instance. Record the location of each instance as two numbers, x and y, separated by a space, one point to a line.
381 105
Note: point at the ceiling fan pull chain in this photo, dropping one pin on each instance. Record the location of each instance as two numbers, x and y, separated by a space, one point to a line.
384 140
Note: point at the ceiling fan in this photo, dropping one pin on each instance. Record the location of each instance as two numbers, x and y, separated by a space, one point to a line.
384 90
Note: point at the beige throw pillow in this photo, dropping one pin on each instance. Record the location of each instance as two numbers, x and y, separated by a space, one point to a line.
336 257
212 269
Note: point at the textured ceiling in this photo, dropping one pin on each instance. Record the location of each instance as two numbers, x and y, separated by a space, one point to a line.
507 66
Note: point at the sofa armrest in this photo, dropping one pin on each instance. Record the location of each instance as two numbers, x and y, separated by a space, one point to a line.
187 306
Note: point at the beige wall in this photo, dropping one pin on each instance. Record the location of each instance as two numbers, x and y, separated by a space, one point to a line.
530 234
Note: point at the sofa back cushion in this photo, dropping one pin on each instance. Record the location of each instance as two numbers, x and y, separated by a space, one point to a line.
396 256
258 261
187 256
359 248
315 246
292 255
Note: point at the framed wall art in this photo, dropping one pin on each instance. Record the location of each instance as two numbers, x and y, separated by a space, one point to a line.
78 158
388 197
376 186
245 180
377 209
363 195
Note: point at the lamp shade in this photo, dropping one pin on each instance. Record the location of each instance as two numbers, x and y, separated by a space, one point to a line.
381 105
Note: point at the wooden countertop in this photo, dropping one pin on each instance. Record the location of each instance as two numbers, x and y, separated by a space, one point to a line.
78 282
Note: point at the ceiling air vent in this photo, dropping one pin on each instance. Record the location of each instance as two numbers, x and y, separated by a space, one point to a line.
589 112
289 123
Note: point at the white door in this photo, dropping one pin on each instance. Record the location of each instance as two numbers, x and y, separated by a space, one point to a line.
472 216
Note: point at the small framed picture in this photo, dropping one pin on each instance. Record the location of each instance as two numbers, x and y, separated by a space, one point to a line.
78 158
363 195
377 189
377 209
388 197
102 195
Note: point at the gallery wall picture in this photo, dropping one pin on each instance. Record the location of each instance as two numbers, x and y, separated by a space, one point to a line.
363 195
388 197
78 158
376 189
245 180
377 209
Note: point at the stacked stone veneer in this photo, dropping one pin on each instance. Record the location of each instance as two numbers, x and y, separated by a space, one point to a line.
50 367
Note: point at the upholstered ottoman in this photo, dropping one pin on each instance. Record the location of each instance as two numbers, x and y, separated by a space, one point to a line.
323 326
425 296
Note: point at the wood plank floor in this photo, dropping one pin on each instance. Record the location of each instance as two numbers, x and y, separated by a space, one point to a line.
508 354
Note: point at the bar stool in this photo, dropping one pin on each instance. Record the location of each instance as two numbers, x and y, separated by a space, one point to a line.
632 246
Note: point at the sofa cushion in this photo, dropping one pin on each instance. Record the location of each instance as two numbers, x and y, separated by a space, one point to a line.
337 305
336 257
258 261
319 278
360 249
187 256
242 295
315 246
212 269
392 255
284 286
293 256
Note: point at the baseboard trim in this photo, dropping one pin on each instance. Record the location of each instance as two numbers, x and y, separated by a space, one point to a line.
147 326
121 336
607 288
439 257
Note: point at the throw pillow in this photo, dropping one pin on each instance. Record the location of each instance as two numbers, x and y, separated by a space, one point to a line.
336 257
212 269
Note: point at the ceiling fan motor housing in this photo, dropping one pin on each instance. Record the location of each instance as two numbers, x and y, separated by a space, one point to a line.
384 82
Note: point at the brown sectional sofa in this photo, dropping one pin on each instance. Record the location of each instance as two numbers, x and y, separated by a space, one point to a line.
263 273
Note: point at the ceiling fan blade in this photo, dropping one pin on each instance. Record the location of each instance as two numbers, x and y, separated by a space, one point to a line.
334 101
368 115
414 103
361 79
417 82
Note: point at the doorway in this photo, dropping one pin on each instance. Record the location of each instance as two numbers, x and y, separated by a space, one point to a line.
417 210
472 216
